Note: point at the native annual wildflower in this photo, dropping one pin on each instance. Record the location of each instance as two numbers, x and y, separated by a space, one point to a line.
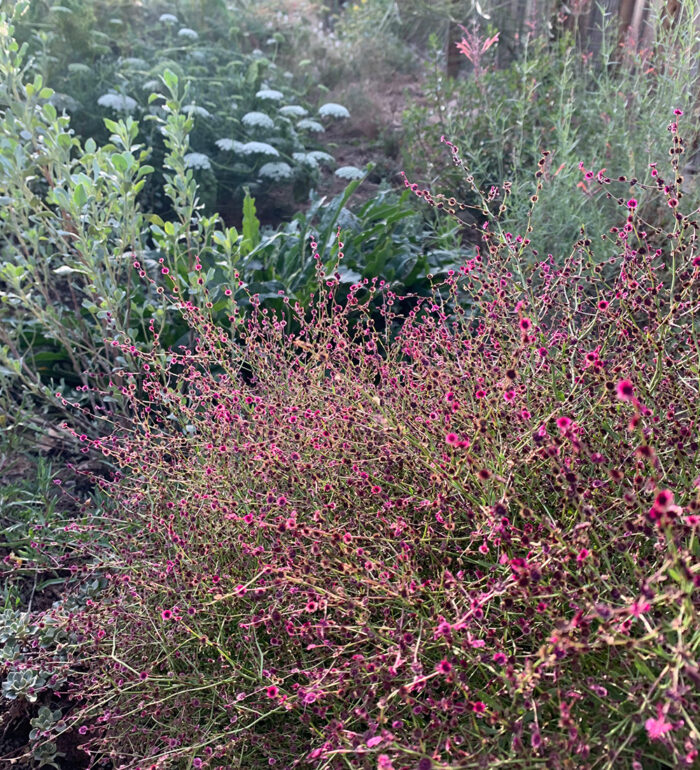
657 728
625 390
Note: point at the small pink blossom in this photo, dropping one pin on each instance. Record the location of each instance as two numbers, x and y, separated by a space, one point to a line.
563 423
444 667
452 439
625 390
657 728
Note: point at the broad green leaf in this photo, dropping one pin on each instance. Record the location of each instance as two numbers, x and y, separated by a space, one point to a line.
170 79
79 196
251 225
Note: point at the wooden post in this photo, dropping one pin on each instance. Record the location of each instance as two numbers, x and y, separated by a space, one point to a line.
452 57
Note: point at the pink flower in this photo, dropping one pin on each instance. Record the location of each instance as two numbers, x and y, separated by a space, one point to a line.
664 500
637 608
452 439
272 691
563 423
625 390
657 728
444 667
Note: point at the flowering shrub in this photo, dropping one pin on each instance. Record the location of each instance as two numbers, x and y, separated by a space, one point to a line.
472 546
237 92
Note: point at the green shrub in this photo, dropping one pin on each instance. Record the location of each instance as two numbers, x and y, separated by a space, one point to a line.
253 126
74 226
606 110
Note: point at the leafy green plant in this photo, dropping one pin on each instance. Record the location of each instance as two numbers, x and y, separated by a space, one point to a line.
253 127
82 263
605 110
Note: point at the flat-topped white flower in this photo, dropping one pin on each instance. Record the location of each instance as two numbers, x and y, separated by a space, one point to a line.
197 160
310 125
333 110
229 144
168 18
190 34
305 158
270 93
321 157
276 171
293 111
259 148
349 172
257 120
118 102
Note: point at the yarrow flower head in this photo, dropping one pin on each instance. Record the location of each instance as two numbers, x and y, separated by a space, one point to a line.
349 172
257 120
117 102
197 160
190 34
276 171
333 110
293 111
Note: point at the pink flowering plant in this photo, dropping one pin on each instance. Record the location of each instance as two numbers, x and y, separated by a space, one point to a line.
470 545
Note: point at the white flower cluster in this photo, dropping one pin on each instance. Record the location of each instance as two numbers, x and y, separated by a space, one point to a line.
197 160
310 125
333 110
259 148
270 93
293 111
257 120
321 157
349 172
249 148
167 18
193 108
305 159
226 145
118 102
190 34
276 171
